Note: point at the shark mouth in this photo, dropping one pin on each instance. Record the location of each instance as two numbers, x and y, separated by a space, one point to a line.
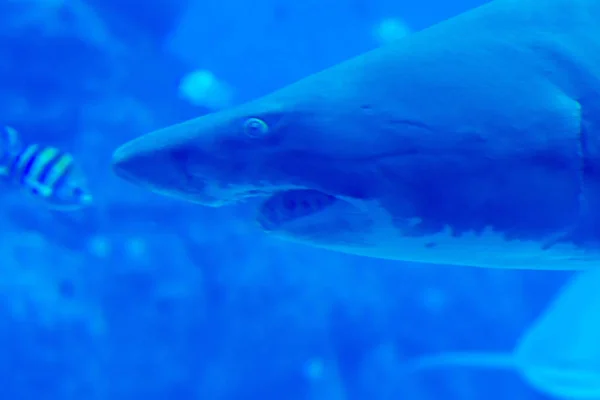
290 205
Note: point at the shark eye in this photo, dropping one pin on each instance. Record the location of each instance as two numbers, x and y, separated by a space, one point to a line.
255 127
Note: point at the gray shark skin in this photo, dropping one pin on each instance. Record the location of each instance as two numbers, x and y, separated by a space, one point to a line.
473 142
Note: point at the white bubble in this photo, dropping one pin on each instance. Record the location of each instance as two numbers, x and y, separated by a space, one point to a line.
314 369
137 248
202 88
434 299
390 30
99 246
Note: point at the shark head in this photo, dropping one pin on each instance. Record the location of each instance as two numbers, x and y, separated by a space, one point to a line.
302 149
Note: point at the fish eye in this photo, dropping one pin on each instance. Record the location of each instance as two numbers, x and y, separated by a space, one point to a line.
255 127
78 192
81 196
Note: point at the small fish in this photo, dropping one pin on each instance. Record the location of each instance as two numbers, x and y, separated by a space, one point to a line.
45 172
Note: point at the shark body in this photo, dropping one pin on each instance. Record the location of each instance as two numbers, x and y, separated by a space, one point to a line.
473 142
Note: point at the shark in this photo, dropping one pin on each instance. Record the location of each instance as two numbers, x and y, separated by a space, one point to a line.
473 142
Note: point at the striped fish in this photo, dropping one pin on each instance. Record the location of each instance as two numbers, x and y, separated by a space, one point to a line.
45 172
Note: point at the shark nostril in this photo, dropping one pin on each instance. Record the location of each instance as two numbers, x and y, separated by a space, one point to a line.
290 204
180 156
180 160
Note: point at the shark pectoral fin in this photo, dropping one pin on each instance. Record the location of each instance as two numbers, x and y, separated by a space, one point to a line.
560 361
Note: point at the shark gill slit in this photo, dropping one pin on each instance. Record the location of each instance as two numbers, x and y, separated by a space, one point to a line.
584 165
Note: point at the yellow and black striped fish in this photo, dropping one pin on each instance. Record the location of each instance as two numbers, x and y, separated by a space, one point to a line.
44 171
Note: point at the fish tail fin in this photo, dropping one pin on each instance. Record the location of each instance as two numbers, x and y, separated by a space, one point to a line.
10 145
489 360
11 140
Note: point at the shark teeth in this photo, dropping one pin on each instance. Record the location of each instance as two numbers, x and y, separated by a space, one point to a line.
292 204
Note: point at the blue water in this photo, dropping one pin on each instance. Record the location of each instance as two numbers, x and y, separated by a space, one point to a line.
143 297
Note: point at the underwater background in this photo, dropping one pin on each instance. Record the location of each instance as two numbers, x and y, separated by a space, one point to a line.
143 297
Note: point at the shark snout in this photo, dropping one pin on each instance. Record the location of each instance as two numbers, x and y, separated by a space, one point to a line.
202 160
144 164
126 164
